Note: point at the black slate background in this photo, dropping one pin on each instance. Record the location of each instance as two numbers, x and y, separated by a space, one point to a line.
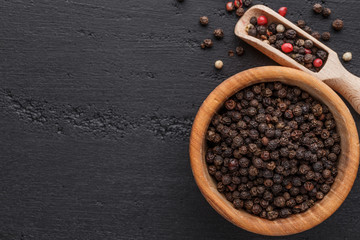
97 100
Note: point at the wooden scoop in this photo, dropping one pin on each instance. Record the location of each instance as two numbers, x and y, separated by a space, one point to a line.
333 73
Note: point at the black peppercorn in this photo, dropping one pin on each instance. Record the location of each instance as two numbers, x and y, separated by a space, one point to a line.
299 199
319 195
308 29
252 32
338 24
317 8
208 43
296 181
238 204
268 196
325 36
316 35
212 170
309 186
240 12
325 188
248 204
204 20
332 157
247 3
220 187
318 166
245 195
294 191
218 33
272 215
272 28
256 209
279 201
321 54
301 23
261 30
288 114
291 203
326 12
290 34
239 51
253 21
308 44
230 104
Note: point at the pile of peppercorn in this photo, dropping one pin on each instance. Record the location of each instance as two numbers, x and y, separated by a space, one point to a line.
273 150
278 36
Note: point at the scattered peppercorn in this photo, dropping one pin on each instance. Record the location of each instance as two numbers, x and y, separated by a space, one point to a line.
317 8
301 23
238 3
240 12
325 36
338 24
316 35
247 3
219 33
282 11
207 43
219 64
239 51
204 20
347 56
263 158
308 29
326 12
230 6
231 53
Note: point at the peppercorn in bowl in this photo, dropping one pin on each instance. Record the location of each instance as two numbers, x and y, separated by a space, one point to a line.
274 150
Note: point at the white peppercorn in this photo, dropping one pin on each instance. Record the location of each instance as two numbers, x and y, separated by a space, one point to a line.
347 56
219 64
280 28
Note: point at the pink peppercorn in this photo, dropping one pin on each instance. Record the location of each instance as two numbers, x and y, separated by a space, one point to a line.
318 62
287 47
238 3
262 20
230 6
283 11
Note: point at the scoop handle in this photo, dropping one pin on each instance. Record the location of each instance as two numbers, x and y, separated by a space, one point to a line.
348 85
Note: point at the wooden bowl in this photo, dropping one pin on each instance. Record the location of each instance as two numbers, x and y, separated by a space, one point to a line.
348 160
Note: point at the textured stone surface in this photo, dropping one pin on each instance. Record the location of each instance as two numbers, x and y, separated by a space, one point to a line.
96 104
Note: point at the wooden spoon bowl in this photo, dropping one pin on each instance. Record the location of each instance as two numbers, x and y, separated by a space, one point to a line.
333 72
348 159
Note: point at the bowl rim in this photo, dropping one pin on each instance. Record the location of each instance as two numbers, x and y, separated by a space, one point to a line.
322 209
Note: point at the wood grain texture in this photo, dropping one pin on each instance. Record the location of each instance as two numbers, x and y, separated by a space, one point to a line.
348 159
332 73
97 100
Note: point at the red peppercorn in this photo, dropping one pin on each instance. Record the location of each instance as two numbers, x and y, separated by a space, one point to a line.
287 47
262 20
307 51
238 3
282 11
230 6
318 62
